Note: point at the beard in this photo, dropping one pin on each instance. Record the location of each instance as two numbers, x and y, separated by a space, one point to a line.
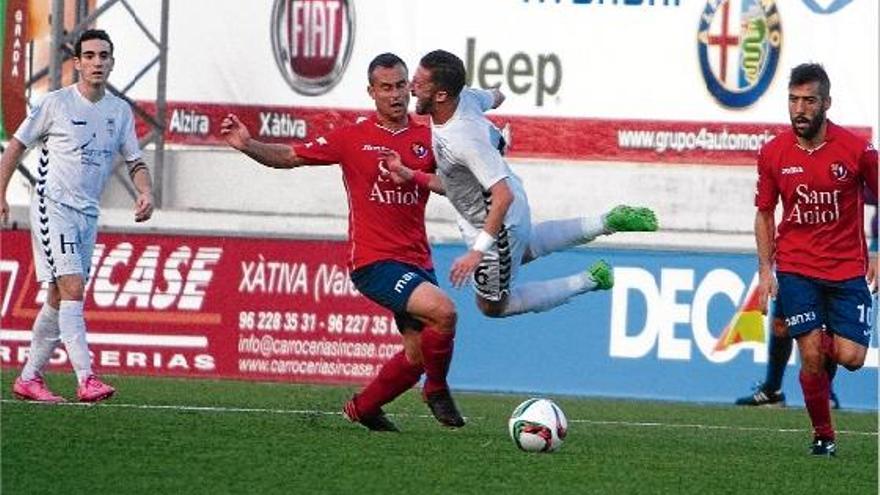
424 107
812 129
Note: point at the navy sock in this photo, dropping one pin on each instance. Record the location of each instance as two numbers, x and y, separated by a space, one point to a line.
778 353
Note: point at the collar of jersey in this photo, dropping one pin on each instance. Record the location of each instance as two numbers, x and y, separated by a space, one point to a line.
393 132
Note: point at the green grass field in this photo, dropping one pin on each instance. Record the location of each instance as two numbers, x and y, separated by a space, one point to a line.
168 436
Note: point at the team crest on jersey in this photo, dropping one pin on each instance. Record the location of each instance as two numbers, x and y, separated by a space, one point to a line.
839 172
111 126
739 42
419 149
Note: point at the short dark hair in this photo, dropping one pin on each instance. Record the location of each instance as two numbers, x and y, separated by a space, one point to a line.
808 73
447 71
386 60
91 34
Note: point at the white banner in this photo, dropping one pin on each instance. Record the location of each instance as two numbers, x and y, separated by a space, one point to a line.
605 59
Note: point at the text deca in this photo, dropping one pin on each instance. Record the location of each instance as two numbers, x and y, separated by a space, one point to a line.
522 73
662 327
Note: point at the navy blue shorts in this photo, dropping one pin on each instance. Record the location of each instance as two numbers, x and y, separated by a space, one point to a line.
843 307
389 284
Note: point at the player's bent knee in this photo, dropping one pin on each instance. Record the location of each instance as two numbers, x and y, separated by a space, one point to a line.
70 287
852 362
492 309
445 317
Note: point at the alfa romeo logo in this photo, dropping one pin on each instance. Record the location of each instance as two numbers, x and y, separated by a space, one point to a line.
738 45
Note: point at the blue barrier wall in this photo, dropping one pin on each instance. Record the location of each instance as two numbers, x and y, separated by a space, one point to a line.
650 337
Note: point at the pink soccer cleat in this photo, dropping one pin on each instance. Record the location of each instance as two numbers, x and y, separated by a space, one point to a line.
94 390
34 389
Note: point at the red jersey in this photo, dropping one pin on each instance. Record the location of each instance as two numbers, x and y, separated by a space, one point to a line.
821 234
386 221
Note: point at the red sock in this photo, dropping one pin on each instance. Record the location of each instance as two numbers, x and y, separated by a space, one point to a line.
827 345
816 388
396 377
437 353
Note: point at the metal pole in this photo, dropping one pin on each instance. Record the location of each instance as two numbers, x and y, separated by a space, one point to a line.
56 58
159 160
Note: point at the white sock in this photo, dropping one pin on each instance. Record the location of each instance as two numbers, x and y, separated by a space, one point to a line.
541 296
555 235
44 339
73 334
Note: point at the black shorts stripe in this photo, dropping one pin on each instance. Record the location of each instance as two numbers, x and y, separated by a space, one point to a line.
43 220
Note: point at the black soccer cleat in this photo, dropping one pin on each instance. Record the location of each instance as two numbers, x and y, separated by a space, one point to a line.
443 408
823 447
376 422
762 397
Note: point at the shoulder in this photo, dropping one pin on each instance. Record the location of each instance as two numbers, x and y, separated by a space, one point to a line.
117 103
778 144
848 138
419 130
52 98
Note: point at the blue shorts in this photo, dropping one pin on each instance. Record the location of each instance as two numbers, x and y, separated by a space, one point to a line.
389 284
844 307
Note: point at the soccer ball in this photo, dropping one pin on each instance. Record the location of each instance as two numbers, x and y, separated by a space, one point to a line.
538 425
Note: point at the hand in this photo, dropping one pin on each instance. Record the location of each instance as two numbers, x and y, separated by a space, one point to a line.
872 270
766 289
464 266
143 207
234 132
394 167
4 211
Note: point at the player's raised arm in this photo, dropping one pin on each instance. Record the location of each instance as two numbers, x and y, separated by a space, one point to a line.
236 134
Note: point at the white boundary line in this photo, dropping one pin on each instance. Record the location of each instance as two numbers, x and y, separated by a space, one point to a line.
304 412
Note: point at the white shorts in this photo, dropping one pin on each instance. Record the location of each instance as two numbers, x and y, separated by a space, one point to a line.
494 277
62 239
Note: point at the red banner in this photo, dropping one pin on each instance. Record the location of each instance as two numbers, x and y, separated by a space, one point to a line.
210 307
556 138
13 80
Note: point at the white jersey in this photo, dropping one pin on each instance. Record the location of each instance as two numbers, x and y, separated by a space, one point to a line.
469 163
80 140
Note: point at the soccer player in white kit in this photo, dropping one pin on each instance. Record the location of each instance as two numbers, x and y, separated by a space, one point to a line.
493 210
81 127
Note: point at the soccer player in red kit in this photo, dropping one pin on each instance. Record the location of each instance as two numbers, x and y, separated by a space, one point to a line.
819 250
390 257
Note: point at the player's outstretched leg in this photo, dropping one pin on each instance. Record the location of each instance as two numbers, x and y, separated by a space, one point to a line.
536 297
625 218
555 235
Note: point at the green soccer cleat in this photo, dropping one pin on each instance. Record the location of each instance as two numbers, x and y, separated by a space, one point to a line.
602 274
625 218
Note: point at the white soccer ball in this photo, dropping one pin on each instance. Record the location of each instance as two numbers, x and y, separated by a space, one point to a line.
538 425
